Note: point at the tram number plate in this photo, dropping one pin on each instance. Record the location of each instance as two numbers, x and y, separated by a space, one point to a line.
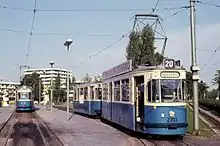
171 120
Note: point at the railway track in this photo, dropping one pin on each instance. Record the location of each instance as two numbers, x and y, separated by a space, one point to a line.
27 129
211 119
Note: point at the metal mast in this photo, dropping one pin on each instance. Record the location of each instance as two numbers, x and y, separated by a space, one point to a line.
194 69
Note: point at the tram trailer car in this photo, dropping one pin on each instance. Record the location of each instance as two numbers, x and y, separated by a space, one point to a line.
87 99
149 99
24 101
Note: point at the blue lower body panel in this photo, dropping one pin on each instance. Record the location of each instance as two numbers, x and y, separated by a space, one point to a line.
165 120
25 106
87 107
119 113
155 121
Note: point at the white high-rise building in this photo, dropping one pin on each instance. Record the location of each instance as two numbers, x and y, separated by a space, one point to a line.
46 74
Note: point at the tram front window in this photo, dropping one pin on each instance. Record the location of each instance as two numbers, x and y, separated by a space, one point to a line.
171 90
165 90
24 95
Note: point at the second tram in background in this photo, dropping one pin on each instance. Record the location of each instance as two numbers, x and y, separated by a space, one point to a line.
87 98
24 101
147 99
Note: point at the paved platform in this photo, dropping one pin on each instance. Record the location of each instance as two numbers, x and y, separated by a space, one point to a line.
81 131
5 113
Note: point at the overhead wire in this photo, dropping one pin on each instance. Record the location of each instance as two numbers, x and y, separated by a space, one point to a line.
211 57
207 3
31 32
90 9
122 37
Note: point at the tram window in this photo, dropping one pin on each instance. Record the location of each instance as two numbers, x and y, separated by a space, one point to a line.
155 91
125 90
105 91
92 92
117 91
149 87
171 90
99 93
85 93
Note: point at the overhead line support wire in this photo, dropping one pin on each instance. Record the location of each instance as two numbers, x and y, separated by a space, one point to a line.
31 32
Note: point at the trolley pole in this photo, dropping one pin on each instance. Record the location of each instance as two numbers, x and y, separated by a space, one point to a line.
194 69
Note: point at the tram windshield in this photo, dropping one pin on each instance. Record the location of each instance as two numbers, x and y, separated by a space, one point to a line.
170 90
24 95
166 90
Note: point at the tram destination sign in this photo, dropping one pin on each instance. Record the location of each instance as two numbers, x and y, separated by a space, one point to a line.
117 70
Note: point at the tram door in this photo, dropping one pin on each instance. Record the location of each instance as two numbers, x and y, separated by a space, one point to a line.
139 100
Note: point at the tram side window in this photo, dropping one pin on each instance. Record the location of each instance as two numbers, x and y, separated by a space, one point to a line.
125 90
117 91
155 91
105 91
92 92
98 93
149 87
85 93
81 91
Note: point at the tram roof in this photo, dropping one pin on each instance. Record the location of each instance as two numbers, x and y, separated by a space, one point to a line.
88 84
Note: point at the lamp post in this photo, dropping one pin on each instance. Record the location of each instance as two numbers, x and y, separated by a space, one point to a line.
51 85
67 43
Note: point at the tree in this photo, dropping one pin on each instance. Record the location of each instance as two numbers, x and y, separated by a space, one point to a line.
202 89
141 48
73 80
189 84
32 80
87 78
57 87
216 80
202 86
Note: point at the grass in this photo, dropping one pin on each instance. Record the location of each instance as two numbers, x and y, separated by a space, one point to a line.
205 130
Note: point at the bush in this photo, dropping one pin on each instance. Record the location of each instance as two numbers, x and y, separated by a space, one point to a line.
211 104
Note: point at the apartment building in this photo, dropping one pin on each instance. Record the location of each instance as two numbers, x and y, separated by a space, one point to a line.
8 89
46 74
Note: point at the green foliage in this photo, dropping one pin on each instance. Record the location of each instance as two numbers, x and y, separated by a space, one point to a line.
216 80
57 88
141 48
32 81
211 104
87 78
212 94
202 86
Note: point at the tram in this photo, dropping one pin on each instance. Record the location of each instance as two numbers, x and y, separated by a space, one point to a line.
87 99
147 99
24 101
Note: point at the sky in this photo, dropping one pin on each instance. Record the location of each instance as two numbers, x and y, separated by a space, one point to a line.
92 31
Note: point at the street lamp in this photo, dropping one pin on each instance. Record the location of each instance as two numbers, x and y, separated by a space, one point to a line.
51 85
67 43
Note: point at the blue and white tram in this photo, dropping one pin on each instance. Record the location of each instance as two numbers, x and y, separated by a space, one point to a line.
24 101
148 99
87 98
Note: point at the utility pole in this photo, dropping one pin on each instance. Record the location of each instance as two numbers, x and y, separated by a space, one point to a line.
51 84
67 43
39 98
194 69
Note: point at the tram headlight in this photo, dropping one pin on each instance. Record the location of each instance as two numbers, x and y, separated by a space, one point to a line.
172 114
162 115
